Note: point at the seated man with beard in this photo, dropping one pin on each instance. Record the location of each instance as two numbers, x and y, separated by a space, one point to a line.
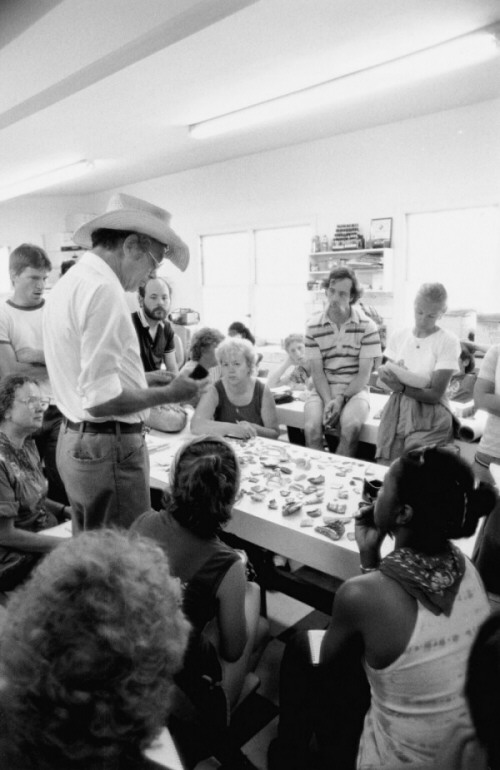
156 342
155 333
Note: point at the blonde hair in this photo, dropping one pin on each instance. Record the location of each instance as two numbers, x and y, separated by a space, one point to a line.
233 345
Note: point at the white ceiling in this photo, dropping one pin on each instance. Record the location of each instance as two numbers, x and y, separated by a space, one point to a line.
119 81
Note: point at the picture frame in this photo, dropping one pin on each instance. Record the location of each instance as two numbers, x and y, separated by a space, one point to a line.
381 232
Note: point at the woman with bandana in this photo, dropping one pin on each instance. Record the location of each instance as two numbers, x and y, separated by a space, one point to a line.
410 618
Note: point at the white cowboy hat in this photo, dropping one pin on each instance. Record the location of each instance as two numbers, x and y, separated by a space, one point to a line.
124 212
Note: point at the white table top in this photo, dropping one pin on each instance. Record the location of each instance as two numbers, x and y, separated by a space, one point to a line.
292 536
292 415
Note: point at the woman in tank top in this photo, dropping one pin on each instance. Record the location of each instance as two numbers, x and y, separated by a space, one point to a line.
239 404
411 616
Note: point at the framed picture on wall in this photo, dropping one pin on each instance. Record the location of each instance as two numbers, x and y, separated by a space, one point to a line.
381 232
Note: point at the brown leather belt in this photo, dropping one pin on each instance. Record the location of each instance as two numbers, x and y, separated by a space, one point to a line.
110 426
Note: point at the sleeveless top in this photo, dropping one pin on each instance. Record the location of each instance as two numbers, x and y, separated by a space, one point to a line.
226 411
199 601
419 697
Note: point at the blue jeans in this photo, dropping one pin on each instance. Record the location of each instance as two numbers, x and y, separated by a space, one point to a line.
106 477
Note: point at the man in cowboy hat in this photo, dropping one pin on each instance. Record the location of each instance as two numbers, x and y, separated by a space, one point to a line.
94 363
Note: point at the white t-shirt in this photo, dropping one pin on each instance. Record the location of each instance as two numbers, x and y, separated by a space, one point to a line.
424 355
490 370
21 327
91 346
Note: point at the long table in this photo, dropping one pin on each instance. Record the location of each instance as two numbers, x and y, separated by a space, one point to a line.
292 416
281 472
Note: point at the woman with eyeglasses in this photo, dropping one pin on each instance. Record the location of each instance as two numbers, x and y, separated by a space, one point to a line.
24 507
410 619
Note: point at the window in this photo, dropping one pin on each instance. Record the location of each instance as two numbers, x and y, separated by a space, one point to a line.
257 277
460 249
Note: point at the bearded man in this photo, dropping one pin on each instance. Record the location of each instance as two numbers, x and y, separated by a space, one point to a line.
154 331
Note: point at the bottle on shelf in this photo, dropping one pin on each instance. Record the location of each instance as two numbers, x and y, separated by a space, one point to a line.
324 243
315 245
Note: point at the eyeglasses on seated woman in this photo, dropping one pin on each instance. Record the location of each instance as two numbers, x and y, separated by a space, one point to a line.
24 508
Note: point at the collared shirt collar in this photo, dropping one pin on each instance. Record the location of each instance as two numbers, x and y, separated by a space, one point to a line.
355 317
145 322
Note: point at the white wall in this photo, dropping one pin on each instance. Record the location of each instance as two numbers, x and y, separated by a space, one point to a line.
441 161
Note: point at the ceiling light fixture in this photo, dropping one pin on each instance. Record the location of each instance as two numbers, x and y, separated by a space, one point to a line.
47 179
454 54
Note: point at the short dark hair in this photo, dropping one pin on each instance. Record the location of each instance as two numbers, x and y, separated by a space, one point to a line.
238 328
142 288
28 255
340 274
202 339
440 487
66 265
9 386
467 354
108 238
204 481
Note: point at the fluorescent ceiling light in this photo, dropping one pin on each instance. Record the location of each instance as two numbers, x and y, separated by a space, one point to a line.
455 54
47 179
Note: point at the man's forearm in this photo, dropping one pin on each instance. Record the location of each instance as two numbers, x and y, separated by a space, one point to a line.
130 401
356 385
321 384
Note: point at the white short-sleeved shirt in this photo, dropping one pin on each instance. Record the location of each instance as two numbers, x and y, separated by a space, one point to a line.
91 347
490 370
21 327
424 355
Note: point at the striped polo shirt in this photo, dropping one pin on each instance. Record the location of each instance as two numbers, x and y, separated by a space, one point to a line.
341 348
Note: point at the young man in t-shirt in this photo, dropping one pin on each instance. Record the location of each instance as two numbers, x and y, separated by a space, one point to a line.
21 347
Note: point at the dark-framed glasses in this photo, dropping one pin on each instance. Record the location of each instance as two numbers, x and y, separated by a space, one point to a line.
33 401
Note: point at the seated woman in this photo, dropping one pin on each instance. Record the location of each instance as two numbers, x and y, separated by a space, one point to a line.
239 404
421 363
411 619
461 387
237 329
88 652
204 481
24 507
295 370
202 350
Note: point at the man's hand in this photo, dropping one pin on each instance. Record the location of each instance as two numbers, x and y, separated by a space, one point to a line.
332 412
184 388
159 377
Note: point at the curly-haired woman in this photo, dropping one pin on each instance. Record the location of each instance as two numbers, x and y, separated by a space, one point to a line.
88 653
24 507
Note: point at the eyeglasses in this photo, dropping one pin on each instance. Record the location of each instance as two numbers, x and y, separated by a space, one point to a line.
33 401
164 252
